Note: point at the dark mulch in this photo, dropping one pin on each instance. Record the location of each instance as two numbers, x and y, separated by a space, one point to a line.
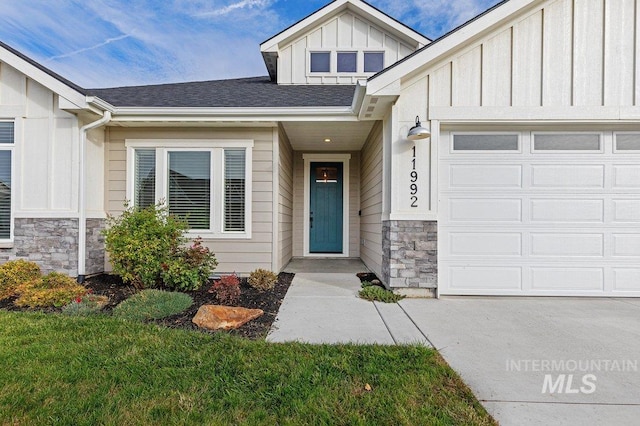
269 301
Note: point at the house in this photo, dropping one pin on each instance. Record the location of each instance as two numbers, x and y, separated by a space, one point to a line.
529 183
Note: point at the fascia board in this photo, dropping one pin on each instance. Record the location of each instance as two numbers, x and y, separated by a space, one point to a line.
437 49
43 78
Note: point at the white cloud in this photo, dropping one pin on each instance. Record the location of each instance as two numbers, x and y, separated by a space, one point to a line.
86 49
244 4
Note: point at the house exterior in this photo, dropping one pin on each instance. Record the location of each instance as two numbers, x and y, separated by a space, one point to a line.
528 185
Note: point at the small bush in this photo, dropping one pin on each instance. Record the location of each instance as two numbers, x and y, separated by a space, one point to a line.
189 268
227 289
366 284
14 273
146 249
379 294
52 290
89 304
152 304
262 279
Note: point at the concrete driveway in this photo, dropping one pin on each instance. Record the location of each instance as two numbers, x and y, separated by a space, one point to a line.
540 361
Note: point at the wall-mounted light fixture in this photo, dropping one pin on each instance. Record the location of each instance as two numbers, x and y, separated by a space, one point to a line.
418 132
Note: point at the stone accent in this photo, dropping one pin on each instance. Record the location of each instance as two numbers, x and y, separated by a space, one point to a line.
95 246
53 244
410 254
215 317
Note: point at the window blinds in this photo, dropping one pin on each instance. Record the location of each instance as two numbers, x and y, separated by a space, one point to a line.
6 132
234 189
145 177
190 187
5 194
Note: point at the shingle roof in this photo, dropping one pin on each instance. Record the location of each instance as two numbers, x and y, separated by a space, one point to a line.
256 92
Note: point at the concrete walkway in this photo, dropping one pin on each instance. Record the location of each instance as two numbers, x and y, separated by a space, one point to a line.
587 351
324 307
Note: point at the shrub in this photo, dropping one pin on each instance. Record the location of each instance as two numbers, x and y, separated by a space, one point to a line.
89 304
262 279
14 273
379 294
146 246
54 289
152 304
366 284
227 289
189 268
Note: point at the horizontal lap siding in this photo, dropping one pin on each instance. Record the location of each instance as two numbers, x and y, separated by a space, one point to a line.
285 200
239 255
371 201
559 53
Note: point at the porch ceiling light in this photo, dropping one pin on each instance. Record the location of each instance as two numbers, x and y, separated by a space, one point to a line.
418 132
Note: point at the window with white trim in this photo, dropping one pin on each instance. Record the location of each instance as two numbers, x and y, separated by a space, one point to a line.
206 183
7 142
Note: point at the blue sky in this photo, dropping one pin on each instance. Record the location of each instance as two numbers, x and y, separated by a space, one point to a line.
108 43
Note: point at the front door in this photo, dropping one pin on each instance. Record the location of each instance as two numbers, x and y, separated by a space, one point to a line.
325 208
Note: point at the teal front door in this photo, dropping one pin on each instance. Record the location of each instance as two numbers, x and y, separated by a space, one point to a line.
325 208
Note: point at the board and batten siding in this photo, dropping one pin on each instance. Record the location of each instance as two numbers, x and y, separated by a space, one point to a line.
371 201
346 32
299 200
563 53
46 148
285 200
234 255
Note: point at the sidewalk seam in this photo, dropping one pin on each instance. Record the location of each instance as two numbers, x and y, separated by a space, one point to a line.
395 342
416 326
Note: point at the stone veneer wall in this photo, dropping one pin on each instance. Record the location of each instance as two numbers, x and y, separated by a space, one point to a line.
53 244
410 254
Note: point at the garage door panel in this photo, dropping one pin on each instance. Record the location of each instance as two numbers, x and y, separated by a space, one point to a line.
626 279
567 279
626 245
485 277
626 211
483 176
485 210
567 176
626 176
572 210
485 244
569 245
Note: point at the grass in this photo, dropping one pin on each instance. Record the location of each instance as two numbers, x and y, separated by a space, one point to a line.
98 370
152 304
373 293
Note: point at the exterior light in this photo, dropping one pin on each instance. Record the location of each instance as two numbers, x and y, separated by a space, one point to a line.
418 132
327 140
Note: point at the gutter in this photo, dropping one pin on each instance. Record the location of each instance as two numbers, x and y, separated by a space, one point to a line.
82 214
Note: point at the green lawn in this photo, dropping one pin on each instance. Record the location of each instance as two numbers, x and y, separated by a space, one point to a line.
70 370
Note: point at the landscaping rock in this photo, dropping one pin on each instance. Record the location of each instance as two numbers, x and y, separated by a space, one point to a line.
215 317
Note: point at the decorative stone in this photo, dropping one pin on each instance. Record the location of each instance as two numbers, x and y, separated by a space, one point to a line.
215 317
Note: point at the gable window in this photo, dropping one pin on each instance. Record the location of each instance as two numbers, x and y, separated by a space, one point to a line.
6 153
207 183
373 61
320 61
347 62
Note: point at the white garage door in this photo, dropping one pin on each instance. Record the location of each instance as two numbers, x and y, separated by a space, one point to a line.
539 213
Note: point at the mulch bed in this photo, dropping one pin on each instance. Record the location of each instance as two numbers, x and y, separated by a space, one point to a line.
269 301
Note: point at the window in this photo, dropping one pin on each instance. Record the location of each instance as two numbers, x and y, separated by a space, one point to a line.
6 147
485 143
206 183
567 142
347 62
373 61
628 142
320 61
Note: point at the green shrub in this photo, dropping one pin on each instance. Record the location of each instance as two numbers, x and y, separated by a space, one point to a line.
379 294
262 279
14 273
189 268
146 249
52 290
152 304
88 304
227 289
366 284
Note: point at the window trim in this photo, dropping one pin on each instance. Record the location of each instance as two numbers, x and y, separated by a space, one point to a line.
601 143
216 147
453 151
8 242
333 61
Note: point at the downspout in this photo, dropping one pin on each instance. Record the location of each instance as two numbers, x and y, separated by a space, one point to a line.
82 214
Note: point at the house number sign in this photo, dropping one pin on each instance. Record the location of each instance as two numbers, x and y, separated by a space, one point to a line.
413 187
